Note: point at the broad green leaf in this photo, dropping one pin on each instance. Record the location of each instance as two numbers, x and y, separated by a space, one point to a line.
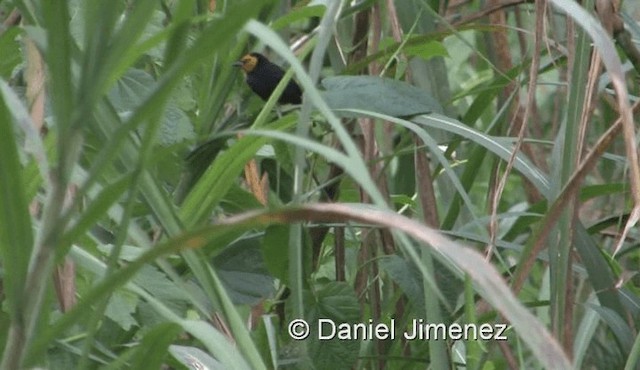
242 269
381 95
121 308
407 278
337 302
176 127
158 284
134 87
276 239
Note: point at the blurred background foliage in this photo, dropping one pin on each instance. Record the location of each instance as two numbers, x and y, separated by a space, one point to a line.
155 214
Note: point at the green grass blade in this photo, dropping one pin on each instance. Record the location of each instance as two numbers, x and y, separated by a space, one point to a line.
16 235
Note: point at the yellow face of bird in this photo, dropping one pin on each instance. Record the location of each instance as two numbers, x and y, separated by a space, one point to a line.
247 63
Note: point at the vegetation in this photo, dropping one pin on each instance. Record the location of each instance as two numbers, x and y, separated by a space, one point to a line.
466 163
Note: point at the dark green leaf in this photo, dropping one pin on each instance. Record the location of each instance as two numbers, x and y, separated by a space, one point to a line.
335 301
407 278
241 268
376 94
276 240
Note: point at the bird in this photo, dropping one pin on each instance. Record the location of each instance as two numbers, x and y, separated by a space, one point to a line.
263 76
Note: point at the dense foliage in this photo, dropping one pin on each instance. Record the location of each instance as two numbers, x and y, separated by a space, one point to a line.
468 166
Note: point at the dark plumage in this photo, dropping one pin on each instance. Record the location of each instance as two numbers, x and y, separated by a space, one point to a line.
263 77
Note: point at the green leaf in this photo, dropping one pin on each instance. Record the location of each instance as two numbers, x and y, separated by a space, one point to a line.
407 278
222 174
33 141
176 127
227 353
152 350
16 235
58 58
96 209
131 89
121 308
620 328
195 358
10 51
335 301
242 270
427 50
499 146
601 277
159 285
298 14
135 87
381 95
274 247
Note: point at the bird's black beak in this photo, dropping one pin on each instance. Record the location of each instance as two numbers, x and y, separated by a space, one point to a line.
237 64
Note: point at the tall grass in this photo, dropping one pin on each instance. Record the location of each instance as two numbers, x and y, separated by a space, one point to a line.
457 164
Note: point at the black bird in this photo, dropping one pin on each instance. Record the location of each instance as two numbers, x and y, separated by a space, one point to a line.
263 77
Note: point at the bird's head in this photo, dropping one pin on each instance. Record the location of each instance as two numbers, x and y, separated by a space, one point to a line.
249 62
